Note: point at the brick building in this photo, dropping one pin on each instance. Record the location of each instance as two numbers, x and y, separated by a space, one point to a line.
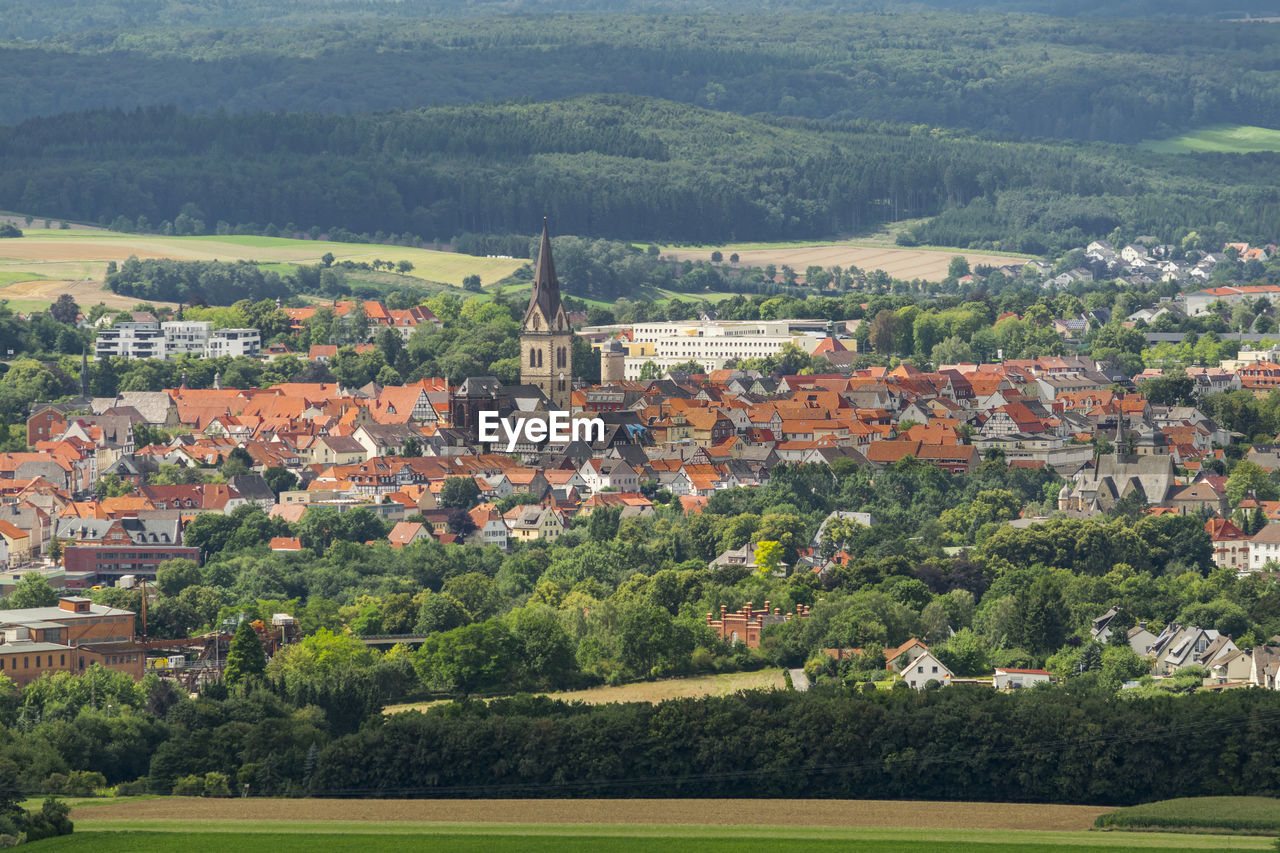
69 637
746 625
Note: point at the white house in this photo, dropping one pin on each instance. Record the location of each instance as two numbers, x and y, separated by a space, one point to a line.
1015 679
924 669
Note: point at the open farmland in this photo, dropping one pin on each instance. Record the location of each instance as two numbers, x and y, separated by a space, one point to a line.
928 264
1219 139
496 826
656 691
46 263
1253 815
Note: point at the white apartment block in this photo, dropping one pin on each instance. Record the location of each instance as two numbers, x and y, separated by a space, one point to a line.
175 338
711 344
233 342
130 340
186 337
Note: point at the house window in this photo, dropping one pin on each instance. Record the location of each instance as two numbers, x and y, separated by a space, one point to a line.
920 670
935 669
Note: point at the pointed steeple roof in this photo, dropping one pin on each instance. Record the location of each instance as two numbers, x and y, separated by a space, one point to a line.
546 288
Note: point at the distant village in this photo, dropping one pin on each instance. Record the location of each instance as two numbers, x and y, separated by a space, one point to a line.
675 438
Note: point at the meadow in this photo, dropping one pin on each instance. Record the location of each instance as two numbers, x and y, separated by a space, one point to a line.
653 691
1254 815
37 267
1219 139
929 264
494 826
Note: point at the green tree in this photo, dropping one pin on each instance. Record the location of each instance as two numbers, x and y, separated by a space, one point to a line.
32 590
1249 477
459 493
958 267
246 657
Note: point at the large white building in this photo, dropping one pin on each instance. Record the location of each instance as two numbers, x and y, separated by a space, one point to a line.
233 342
175 338
130 340
712 343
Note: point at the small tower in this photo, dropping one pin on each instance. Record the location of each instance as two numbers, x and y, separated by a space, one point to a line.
546 341
612 362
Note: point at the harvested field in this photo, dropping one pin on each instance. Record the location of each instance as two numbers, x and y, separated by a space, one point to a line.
82 254
85 293
261 813
928 264
654 691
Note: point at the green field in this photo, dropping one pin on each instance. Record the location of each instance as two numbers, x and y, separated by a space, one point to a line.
782 839
1257 815
1220 139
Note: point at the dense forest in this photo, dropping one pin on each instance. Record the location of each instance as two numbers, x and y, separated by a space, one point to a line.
1008 75
617 166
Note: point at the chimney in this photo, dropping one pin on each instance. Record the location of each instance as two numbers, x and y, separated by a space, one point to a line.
747 610
768 606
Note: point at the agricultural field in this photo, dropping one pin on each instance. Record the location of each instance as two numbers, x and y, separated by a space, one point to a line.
669 826
656 691
45 263
928 264
1252 815
1219 139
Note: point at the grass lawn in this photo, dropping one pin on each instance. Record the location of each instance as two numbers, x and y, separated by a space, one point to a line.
306 839
11 276
1221 139
1255 815
722 684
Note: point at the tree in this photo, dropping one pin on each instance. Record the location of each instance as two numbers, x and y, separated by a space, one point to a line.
8 229
958 267
1249 477
769 557
173 576
280 479
32 591
459 493
245 657
65 310
404 267
471 284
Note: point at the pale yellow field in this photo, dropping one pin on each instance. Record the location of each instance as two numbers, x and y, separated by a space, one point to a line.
85 292
654 691
73 255
927 264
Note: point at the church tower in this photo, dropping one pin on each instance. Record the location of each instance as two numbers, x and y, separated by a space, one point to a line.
546 341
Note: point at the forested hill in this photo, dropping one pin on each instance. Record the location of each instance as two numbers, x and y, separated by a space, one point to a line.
616 166
1014 76
26 20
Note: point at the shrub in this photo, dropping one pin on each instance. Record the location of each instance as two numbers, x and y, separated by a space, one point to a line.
84 783
216 785
136 788
189 786
55 784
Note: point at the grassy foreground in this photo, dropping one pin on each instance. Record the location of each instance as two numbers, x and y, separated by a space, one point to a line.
782 839
1219 139
1251 815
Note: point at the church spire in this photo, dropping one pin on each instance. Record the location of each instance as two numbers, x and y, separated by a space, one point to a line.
546 288
1119 448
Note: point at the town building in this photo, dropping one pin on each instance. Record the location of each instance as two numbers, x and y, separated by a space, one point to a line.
546 338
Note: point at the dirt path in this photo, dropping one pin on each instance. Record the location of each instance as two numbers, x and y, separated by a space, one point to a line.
850 813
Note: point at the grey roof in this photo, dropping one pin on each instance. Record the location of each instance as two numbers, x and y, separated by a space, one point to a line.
56 614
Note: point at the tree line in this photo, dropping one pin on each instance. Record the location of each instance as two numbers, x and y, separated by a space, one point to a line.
648 167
